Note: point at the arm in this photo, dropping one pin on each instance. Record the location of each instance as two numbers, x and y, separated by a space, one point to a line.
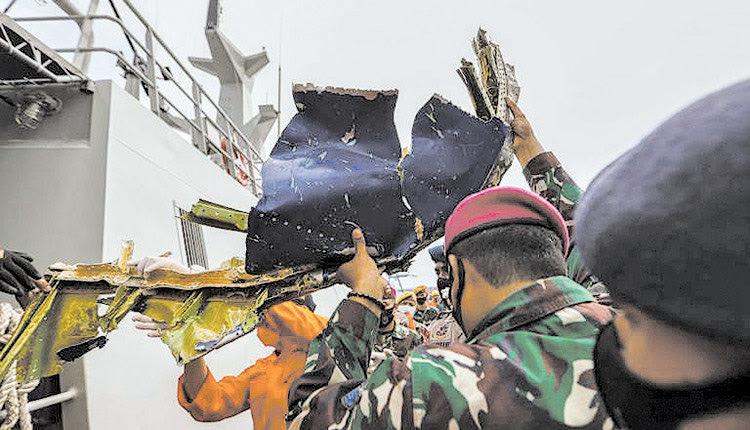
208 400
546 177
340 353
338 358
197 390
195 375
543 171
384 400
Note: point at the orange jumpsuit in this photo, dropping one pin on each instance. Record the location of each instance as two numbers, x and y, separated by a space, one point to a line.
262 387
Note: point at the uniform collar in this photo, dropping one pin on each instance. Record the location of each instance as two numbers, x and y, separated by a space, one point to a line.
534 301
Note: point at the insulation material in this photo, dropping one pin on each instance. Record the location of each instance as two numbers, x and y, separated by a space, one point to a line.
498 81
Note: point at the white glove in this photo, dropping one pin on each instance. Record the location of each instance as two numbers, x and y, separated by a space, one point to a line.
152 327
147 265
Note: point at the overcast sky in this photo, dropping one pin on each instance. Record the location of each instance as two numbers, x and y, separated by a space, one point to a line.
595 76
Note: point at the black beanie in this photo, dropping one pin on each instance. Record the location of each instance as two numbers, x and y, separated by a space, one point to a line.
667 225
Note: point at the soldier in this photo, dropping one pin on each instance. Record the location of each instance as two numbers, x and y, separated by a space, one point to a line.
667 227
444 330
425 313
441 269
530 333
392 335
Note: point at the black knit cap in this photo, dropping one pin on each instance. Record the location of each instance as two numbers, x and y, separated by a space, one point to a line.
667 225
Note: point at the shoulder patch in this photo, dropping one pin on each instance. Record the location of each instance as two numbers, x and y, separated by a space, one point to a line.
351 399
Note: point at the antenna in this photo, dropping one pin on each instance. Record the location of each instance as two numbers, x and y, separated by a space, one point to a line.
278 85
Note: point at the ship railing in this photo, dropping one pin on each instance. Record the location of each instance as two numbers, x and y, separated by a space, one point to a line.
218 138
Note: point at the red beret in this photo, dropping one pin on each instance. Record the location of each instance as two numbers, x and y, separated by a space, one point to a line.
499 206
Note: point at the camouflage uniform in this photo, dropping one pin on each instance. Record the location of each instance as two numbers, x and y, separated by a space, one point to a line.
400 340
528 365
546 177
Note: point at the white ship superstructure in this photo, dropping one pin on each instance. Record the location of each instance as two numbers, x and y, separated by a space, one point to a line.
85 165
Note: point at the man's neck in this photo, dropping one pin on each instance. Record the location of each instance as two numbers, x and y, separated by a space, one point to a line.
508 290
483 297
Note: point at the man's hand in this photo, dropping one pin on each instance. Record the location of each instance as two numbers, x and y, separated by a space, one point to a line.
19 277
152 327
525 144
361 274
195 371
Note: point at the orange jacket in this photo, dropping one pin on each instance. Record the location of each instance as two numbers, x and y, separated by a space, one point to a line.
262 387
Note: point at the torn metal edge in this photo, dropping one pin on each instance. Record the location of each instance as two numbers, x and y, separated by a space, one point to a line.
367 94
468 114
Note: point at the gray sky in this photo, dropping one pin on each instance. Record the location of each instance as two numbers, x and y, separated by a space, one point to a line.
595 76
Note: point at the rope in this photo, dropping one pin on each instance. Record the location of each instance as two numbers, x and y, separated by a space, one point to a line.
13 396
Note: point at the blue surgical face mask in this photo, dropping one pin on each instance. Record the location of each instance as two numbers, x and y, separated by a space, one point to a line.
406 309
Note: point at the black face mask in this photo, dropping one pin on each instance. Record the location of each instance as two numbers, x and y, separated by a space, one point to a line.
443 284
456 310
638 404
386 317
421 300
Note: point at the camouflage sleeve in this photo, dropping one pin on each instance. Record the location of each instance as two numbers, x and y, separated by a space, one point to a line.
384 401
340 353
546 177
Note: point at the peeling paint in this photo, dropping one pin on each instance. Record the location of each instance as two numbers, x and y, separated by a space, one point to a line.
418 228
348 137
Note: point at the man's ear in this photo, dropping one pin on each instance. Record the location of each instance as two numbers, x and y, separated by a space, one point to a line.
453 271
624 324
453 263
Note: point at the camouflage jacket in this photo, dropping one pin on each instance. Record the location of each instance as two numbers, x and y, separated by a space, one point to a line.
527 365
426 315
400 340
546 177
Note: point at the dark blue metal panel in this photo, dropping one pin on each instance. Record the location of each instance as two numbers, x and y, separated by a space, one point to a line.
452 154
336 166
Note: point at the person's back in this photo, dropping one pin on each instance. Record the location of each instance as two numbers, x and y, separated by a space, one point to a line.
522 371
262 387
